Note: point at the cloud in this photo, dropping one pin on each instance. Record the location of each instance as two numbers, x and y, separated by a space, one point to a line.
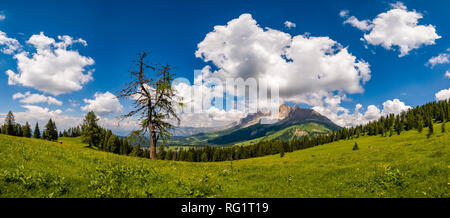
2 16
343 13
447 74
34 114
8 45
363 25
289 24
442 58
103 104
53 68
306 68
343 117
397 27
73 103
303 66
41 115
29 98
444 94
394 107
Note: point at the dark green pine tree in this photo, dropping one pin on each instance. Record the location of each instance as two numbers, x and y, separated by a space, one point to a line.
50 132
430 128
137 151
37 132
419 123
391 131
18 130
26 130
161 152
125 147
90 130
113 144
398 126
204 157
281 151
9 126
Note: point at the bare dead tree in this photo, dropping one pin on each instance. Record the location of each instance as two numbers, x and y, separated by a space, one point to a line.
154 100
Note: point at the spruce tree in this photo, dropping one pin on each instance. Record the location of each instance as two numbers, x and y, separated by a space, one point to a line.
90 130
136 152
18 130
50 132
419 123
398 125
430 128
204 157
9 126
26 130
281 150
161 153
37 132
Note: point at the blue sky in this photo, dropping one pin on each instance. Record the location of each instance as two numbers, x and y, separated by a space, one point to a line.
115 31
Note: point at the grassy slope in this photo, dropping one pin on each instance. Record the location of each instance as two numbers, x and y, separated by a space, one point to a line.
409 165
288 133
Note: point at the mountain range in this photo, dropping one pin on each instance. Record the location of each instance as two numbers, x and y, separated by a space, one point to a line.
292 122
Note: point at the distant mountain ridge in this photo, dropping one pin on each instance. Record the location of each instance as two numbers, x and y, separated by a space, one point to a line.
288 116
250 127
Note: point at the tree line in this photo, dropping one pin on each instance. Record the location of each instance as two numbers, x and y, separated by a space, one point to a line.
95 136
386 126
10 127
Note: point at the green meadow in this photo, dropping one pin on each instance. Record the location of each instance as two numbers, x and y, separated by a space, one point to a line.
406 165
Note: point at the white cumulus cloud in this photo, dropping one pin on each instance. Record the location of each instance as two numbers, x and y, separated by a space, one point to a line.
343 117
306 68
394 107
360 24
396 27
442 58
8 45
303 66
29 98
103 104
447 74
444 94
54 68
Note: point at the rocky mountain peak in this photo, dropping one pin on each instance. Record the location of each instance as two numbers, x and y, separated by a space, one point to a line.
284 111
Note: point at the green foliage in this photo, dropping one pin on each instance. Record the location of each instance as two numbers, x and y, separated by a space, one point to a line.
137 151
406 165
9 127
26 130
37 132
50 132
355 147
41 183
90 130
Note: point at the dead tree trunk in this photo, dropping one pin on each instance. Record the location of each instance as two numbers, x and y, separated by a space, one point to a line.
152 143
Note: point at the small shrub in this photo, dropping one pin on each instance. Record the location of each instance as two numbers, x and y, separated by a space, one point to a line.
355 147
